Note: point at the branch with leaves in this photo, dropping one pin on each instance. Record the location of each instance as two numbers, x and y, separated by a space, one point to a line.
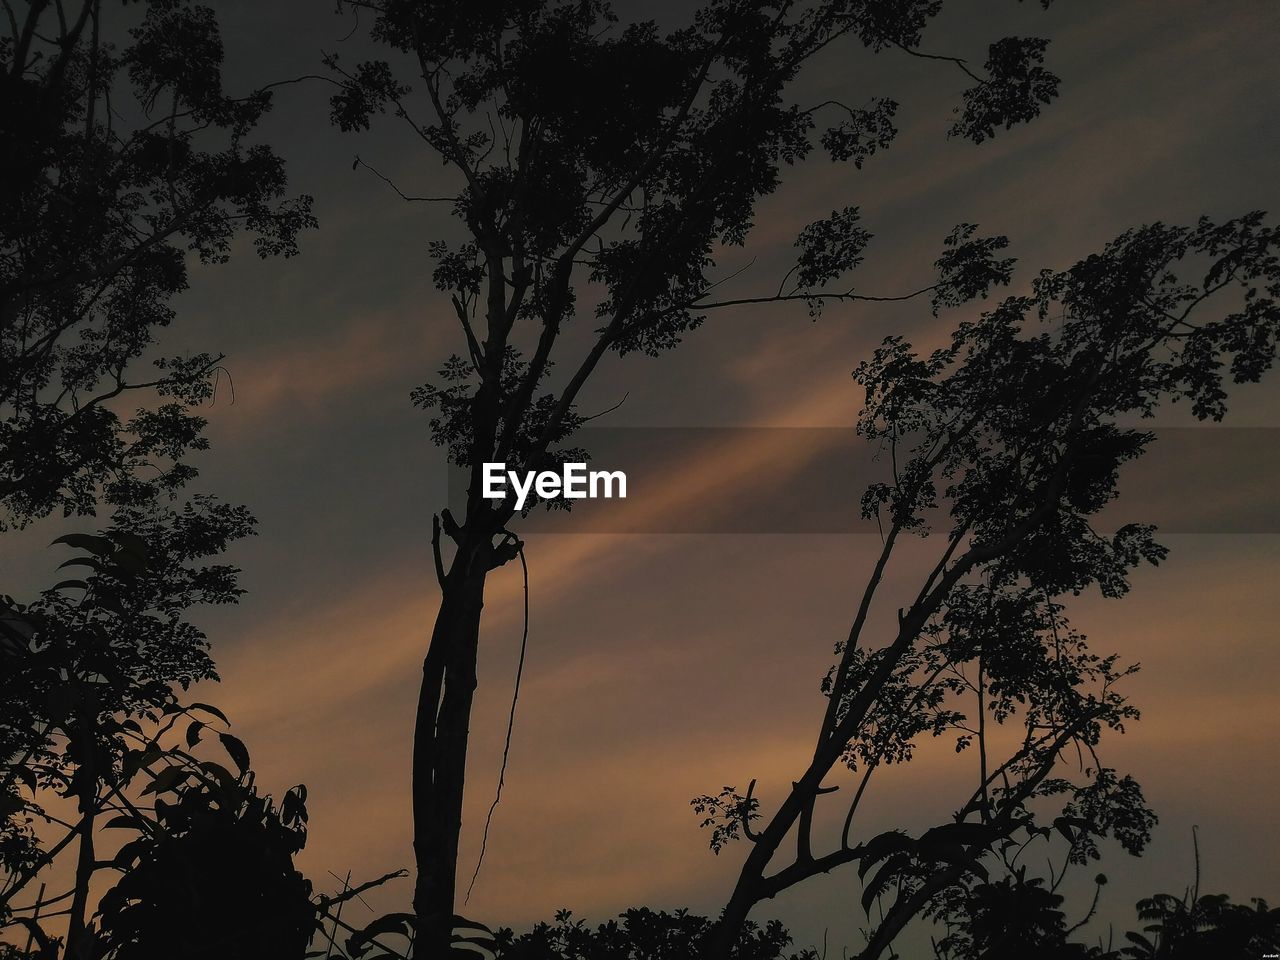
1006 443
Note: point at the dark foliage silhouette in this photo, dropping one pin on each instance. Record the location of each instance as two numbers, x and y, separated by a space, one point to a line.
1006 444
91 658
213 877
604 173
122 154
89 717
1015 916
124 160
638 934
1021 916
608 164
1208 926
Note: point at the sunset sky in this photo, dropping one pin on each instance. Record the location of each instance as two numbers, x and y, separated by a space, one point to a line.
662 665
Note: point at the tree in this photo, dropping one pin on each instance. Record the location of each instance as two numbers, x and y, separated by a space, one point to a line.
1020 916
1014 916
642 934
1184 928
96 741
212 876
611 164
1005 444
122 161
83 665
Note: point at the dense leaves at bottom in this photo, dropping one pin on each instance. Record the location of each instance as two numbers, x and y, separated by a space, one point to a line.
639 934
216 881
1019 917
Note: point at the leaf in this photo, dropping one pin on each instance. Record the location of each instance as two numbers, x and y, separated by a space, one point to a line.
100 546
129 852
293 808
948 834
70 584
206 708
881 846
27 776
221 775
80 562
957 856
166 780
1139 939
193 732
236 750
402 923
884 879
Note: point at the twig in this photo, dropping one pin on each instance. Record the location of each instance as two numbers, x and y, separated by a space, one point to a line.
596 416
391 183
958 61
333 931
35 918
353 892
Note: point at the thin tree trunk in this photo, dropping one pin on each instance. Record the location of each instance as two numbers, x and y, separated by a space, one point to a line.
440 752
78 945
750 888
732 919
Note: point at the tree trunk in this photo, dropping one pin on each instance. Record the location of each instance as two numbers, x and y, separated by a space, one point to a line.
750 888
440 751
79 946
725 934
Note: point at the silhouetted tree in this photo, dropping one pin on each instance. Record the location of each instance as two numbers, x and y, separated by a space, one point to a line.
1005 444
1190 927
606 164
639 934
1020 916
1012 917
122 159
84 664
212 876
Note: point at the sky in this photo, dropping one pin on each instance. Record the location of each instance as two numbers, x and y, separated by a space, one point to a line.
665 663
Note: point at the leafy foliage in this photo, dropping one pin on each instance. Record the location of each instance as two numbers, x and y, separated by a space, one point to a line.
1010 440
638 934
865 132
452 407
90 657
122 164
1016 87
728 814
206 863
130 162
1203 926
830 248
647 152
1019 916
1010 918
211 875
